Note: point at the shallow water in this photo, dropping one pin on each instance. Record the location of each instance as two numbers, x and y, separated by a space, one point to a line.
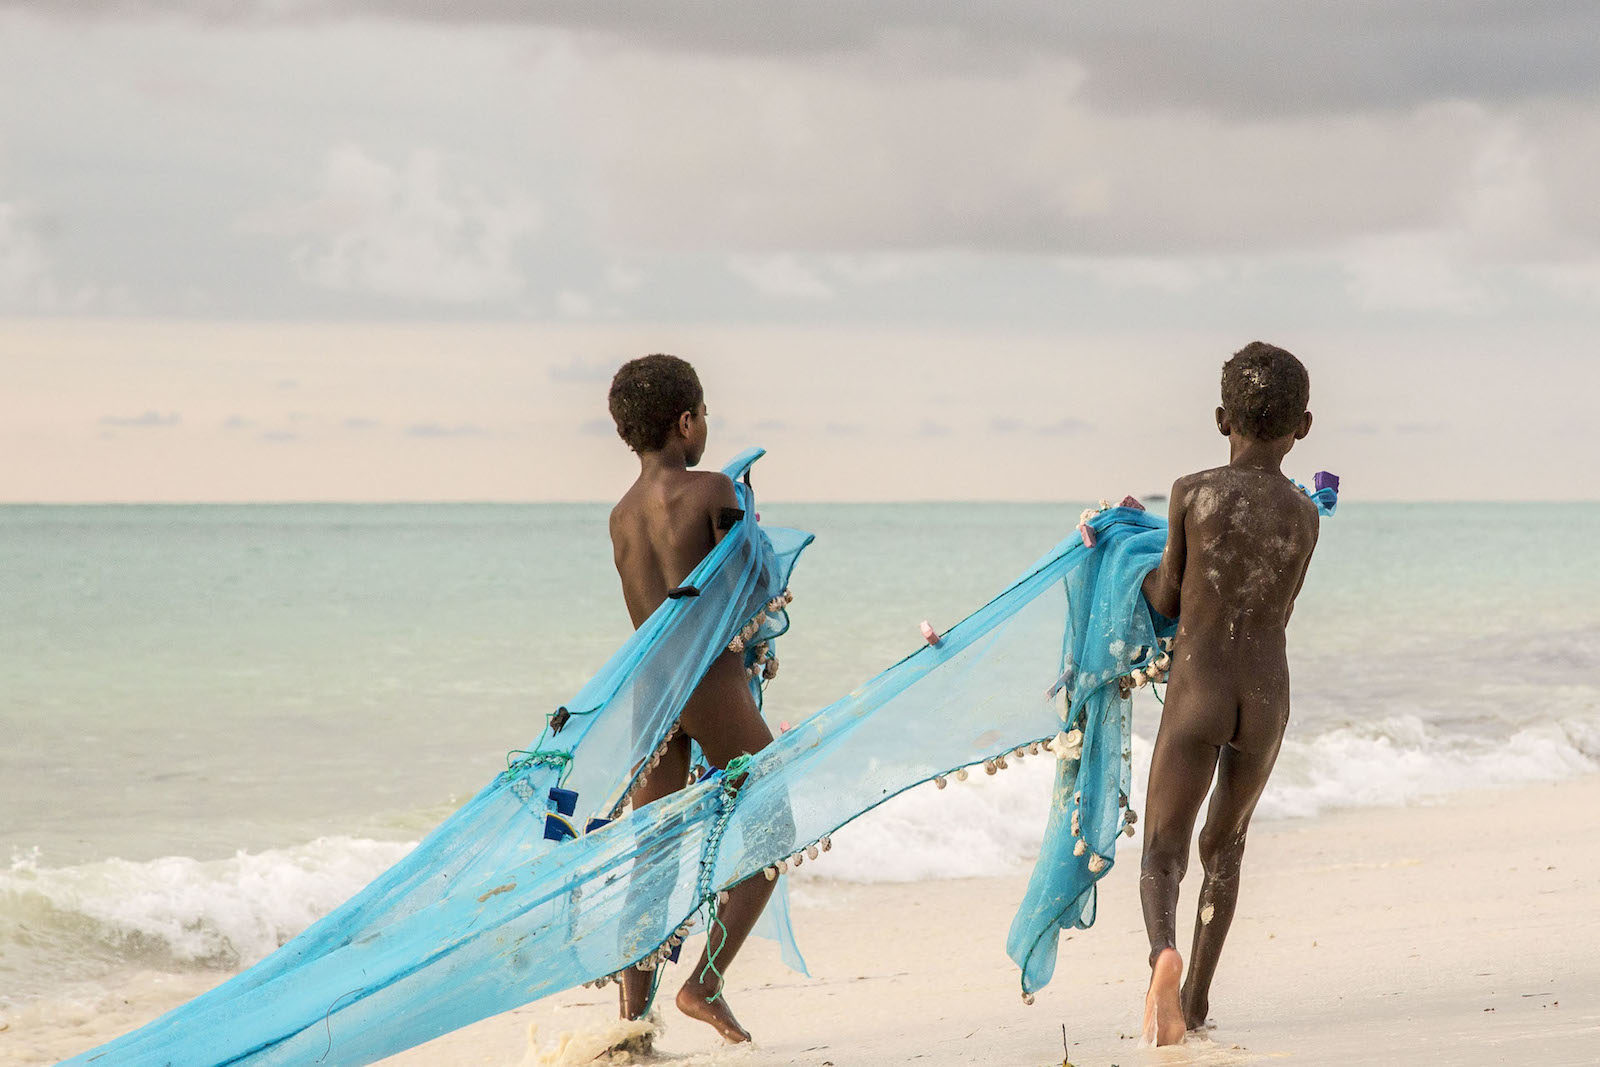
317 685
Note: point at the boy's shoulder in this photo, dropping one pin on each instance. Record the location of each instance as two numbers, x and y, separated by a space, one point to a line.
1309 518
714 487
1188 483
629 501
688 491
1214 485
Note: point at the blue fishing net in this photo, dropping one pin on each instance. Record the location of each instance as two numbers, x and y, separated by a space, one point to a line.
579 774
486 915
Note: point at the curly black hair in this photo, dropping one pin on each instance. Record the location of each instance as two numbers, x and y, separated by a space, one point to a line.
647 396
1265 390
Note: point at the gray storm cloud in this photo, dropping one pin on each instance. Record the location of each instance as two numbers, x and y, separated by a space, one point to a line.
834 160
1255 56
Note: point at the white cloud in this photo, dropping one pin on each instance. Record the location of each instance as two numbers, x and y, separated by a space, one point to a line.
573 304
579 371
1225 55
781 276
145 419
879 268
22 263
623 279
1503 203
1578 281
1501 223
787 156
1413 271
911 163
1165 275
29 280
435 430
1066 427
406 230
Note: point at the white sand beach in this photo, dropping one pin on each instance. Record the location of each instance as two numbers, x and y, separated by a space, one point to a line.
1462 933
1465 932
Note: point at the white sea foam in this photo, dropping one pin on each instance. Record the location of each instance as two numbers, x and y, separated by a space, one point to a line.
178 911
993 825
1402 759
978 827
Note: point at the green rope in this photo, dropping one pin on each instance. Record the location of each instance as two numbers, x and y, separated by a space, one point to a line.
520 759
1159 698
655 985
732 776
705 888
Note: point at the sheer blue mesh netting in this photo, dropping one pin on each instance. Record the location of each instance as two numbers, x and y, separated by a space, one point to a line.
487 915
412 927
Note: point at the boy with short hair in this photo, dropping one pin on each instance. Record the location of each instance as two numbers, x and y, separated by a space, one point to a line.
1239 541
662 528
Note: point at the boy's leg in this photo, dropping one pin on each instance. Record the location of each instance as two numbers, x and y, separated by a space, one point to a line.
1241 776
723 719
1181 767
668 776
1196 720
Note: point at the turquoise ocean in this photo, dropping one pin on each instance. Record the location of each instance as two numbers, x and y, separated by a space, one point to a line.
220 721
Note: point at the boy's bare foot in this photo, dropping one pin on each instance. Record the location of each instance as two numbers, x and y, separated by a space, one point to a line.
1195 1011
1163 1015
693 1003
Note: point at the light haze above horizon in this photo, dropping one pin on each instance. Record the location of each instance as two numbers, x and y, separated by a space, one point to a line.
302 250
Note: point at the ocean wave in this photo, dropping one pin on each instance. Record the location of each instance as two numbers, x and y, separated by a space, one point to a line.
1401 759
995 825
177 912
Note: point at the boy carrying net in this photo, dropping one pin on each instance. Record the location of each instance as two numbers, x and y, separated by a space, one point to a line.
1239 542
662 528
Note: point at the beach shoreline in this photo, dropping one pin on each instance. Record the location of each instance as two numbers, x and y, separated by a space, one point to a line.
1459 931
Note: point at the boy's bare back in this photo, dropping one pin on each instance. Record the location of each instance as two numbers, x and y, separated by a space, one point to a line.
1249 535
1246 538
662 528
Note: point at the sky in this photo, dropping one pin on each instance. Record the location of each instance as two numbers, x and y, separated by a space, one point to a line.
918 249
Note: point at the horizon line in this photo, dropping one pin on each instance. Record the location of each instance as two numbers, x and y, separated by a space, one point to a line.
483 502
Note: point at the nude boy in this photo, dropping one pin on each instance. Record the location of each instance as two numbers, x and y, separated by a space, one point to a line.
1239 542
662 528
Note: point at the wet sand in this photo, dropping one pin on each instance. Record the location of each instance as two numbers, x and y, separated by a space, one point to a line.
1461 933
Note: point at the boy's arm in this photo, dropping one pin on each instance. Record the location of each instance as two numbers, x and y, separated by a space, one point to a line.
636 587
612 526
1162 586
723 503
1316 529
